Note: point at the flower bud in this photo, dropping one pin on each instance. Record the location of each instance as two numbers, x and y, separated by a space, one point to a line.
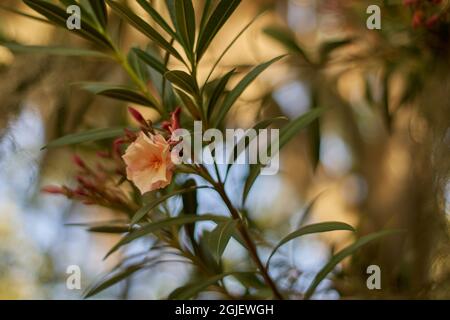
137 116
417 20
79 162
53 190
432 21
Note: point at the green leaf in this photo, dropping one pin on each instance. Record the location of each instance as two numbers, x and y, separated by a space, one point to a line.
142 212
172 11
113 229
112 279
190 207
205 13
287 38
313 228
220 236
139 67
341 255
246 141
189 103
286 134
87 15
143 27
308 210
156 226
185 24
101 14
293 128
221 14
315 141
190 290
240 88
117 92
218 91
250 280
255 170
60 51
204 253
157 17
59 16
190 202
86 136
183 81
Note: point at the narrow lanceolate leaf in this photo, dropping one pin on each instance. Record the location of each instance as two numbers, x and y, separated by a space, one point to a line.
113 229
119 93
189 103
292 129
86 15
341 255
287 38
58 51
112 279
139 67
207 8
142 212
239 89
221 14
246 141
151 61
190 290
183 81
254 172
59 16
286 134
190 207
218 92
220 236
185 24
86 136
313 228
99 9
157 18
156 226
143 27
172 11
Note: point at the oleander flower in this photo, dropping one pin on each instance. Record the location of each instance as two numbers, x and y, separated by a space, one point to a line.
148 162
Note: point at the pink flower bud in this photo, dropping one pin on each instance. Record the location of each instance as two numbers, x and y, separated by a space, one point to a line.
166 126
79 162
137 116
103 154
53 190
175 119
81 192
86 183
417 20
117 144
432 21
130 134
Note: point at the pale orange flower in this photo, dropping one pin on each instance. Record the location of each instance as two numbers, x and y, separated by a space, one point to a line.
148 162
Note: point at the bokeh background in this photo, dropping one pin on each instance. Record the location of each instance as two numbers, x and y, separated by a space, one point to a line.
379 159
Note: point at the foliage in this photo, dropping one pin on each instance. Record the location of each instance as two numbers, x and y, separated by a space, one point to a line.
209 102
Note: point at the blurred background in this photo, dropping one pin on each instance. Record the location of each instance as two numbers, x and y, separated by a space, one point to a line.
379 158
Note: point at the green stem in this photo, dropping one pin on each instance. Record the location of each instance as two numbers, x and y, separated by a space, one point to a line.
137 81
249 242
219 187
